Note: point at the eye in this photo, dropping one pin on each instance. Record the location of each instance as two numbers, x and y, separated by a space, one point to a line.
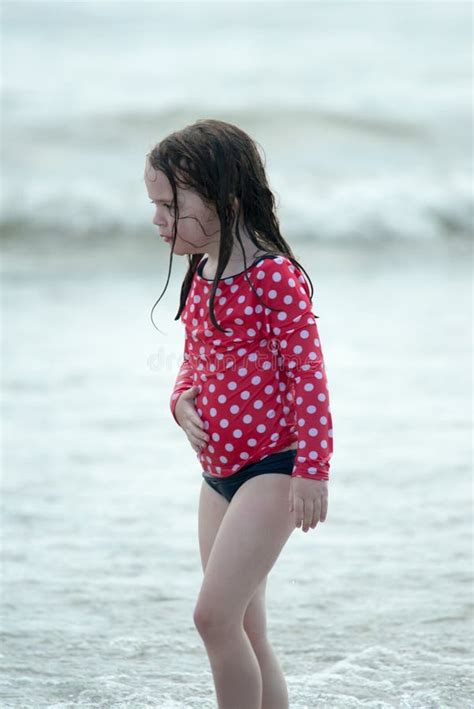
168 206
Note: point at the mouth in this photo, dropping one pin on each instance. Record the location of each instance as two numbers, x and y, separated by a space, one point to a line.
166 238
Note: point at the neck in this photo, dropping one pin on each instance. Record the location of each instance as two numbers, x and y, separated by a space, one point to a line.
236 259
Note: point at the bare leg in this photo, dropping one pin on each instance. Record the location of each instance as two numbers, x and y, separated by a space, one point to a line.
275 691
250 537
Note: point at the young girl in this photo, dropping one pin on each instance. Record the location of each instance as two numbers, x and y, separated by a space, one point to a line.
251 393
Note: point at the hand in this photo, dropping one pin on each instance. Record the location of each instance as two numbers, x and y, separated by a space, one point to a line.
308 500
188 419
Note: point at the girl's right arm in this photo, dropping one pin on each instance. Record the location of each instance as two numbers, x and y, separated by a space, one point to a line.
182 404
184 381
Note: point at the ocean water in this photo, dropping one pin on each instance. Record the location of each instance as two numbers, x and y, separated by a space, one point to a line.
363 112
362 109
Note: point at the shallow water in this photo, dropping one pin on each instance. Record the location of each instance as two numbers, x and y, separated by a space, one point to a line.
100 490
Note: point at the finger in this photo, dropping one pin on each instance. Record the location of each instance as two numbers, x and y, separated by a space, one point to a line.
197 444
192 392
324 508
315 517
298 506
308 514
317 509
192 414
198 433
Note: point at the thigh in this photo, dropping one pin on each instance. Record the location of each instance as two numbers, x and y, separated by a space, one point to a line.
212 508
251 534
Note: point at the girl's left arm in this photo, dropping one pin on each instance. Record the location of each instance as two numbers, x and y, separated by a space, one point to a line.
293 326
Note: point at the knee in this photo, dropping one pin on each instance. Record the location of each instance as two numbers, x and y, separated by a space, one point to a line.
210 622
256 635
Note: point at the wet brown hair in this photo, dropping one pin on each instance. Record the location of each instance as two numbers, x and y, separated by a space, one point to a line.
221 162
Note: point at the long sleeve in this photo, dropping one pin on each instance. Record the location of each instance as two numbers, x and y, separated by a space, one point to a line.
184 380
293 328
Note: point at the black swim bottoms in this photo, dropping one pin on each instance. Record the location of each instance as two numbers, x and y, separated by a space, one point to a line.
274 463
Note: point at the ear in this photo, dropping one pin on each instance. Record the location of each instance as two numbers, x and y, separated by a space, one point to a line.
233 207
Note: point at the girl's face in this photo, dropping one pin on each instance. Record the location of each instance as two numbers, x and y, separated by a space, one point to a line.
198 226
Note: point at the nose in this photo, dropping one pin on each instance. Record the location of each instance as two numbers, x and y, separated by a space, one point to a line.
159 218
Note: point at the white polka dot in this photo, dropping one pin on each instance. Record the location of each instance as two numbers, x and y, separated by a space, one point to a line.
256 380
232 385
222 398
276 276
224 423
245 395
313 432
258 404
234 409
261 428
237 433
252 442
247 418
213 412
287 299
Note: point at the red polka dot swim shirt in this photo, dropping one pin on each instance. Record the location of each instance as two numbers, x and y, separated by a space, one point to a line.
262 383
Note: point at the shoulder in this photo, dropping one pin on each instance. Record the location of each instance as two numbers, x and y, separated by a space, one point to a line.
283 290
278 273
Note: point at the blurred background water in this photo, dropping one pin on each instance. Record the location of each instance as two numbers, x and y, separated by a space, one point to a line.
364 113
